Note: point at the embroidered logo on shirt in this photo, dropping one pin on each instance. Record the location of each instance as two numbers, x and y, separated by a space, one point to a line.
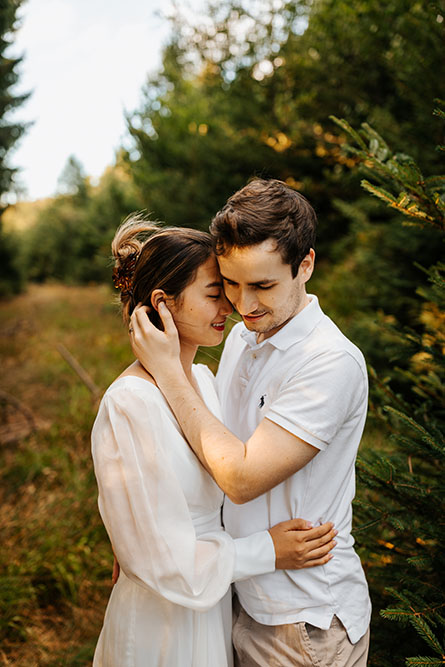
261 403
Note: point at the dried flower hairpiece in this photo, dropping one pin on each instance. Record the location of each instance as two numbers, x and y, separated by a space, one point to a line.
123 275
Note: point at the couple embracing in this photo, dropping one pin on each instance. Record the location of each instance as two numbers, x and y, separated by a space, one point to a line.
201 480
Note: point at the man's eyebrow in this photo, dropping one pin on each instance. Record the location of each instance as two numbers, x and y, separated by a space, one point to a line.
216 283
265 281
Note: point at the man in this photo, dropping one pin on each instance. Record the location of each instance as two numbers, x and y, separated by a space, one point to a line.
294 398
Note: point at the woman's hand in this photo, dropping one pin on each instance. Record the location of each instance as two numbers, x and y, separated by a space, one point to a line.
158 351
298 546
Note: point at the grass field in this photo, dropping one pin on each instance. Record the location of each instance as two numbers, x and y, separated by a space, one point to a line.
55 557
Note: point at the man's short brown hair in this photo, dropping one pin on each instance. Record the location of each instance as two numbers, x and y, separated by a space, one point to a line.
266 209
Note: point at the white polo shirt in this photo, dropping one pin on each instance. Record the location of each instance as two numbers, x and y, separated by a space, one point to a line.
311 380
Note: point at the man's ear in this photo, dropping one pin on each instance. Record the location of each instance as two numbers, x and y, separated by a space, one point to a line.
157 296
307 265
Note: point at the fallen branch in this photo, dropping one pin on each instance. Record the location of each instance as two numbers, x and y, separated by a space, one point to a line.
84 376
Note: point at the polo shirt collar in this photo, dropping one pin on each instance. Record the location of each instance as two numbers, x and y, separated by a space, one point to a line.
295 330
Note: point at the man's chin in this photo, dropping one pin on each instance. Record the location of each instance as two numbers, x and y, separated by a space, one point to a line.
259 327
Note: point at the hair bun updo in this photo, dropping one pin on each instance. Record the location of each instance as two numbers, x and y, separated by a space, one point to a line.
126 247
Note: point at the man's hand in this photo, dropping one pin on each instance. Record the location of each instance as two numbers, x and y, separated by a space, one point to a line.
158 351
298 546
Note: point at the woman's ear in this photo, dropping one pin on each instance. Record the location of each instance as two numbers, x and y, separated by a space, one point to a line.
157 296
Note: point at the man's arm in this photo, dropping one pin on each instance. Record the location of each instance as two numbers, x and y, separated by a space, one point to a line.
243 470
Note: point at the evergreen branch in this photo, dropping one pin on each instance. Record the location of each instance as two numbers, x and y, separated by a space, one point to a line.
423 660
414 212
399 596
434 181
344 125
426 633
426 437
396 614
382 194
440 113
377 144
368 524
420 562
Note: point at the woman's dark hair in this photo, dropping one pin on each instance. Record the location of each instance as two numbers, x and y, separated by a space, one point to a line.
266 209
164 258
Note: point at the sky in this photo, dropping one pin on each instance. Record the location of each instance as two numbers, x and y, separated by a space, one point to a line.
85 62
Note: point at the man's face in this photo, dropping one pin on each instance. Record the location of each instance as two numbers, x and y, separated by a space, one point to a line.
261 288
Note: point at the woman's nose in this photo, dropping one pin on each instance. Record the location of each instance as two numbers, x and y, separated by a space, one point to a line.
226 307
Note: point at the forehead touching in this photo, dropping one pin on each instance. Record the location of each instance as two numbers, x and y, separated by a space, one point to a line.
253 264
208 274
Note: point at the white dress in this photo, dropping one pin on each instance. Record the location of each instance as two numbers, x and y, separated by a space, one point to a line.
171 605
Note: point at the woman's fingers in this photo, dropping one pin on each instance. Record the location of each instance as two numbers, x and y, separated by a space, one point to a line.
317 561
319 531
296 524
167 319
139 319
321 551
320 541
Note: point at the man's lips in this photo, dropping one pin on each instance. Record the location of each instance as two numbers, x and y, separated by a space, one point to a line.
253 318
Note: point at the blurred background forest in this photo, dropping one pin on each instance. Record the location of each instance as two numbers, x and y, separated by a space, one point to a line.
340 99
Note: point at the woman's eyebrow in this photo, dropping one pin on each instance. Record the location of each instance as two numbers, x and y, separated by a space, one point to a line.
216 283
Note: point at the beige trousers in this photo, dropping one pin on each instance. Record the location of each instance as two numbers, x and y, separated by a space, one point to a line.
294 645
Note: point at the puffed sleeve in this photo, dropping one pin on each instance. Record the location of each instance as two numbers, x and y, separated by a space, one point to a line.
144 509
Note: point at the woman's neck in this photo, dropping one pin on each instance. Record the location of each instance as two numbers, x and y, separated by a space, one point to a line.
187 354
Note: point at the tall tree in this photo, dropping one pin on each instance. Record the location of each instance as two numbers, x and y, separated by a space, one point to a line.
402 502
10 132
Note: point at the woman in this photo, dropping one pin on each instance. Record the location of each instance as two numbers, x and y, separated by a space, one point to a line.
160 507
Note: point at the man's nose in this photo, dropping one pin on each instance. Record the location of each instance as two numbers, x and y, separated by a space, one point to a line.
246 303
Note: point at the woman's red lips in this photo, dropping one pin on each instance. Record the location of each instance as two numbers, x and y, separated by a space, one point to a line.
219 326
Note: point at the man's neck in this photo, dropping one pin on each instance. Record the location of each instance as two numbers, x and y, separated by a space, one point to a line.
268 334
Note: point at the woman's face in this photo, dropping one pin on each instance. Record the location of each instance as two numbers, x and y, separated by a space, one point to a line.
201 310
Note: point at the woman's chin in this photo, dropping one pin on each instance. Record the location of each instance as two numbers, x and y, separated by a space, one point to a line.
215 338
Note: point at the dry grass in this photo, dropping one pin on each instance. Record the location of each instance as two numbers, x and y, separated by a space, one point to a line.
55 555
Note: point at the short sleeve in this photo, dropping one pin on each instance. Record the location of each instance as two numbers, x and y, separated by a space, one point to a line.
144 508
317 400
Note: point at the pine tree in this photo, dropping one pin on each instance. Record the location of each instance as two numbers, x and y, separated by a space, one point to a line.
401 509
10 132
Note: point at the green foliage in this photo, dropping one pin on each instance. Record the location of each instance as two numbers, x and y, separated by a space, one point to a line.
247 93
71 239
386 257
10 132
403 502
11 269
242 94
